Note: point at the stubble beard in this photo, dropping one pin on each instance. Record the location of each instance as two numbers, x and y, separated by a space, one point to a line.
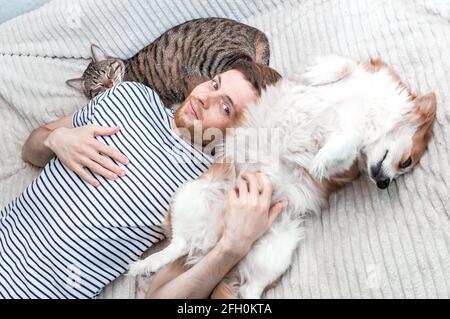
189 130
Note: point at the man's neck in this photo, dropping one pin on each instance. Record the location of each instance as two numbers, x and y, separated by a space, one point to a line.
188 140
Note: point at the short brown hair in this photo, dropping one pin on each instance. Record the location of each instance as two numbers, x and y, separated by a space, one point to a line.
259 75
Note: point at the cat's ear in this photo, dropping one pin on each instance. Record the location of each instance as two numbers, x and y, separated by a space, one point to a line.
98 54
77 84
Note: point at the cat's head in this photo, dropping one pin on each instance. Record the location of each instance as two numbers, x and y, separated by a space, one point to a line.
101 74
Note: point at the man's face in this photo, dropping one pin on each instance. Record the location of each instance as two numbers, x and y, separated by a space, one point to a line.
218 103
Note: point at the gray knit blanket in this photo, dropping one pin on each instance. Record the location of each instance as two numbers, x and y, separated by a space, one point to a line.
369 243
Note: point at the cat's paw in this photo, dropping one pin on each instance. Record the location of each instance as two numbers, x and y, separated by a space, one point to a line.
142 267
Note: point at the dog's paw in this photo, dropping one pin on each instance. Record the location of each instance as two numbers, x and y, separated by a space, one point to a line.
250 292
333 158
141 267
320 166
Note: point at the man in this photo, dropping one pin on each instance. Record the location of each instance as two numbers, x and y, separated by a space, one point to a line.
101 203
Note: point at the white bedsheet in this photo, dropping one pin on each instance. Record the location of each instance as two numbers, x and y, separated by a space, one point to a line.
369 243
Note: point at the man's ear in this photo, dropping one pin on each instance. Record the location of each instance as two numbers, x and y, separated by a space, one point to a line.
98 54
77 84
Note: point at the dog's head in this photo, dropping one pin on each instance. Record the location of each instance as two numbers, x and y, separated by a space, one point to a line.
401 149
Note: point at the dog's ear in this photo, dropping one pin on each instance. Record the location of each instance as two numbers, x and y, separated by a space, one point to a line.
98 54
425 106
424 114
77 84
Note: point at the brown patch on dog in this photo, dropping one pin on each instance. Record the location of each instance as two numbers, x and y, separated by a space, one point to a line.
327 186
423 115
223 291
168 225
228 287
374 65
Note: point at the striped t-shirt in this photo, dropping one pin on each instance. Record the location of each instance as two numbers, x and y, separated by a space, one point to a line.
63 238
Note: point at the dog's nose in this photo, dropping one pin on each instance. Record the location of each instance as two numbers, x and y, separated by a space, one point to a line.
383 184
375 170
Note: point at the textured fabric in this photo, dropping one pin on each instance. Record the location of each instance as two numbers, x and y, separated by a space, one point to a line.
64 238
369 243
12 9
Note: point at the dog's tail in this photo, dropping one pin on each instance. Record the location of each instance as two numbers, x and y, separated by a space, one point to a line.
328 69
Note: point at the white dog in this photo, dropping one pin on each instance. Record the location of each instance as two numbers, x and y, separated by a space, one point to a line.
349 118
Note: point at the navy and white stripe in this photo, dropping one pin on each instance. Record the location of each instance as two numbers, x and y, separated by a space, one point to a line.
62 238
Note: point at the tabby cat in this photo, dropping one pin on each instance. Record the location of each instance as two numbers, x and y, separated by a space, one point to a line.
179 59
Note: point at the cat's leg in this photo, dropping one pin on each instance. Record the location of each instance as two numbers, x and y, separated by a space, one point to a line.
269 258
337 155
177 248
328 69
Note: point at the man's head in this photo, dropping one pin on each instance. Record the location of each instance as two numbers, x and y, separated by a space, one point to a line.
220 102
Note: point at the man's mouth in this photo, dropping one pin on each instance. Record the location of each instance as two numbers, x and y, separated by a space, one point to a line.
192 110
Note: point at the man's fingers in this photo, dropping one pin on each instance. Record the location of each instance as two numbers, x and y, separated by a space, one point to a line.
104 130
266 186
85 176
232 196
98 169
107 163
276 210
111 152
242 188
253 185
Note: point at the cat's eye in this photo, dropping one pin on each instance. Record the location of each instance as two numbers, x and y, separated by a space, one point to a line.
406 163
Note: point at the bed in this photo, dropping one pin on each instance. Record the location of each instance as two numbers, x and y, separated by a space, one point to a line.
369 243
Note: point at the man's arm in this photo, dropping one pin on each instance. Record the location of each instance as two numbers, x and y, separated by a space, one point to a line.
36 151
76 147
248 216
198 282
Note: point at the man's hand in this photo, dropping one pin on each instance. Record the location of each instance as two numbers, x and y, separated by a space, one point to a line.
249 214
77 148
248 217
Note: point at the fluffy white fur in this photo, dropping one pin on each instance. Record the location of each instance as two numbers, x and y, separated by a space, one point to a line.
342 114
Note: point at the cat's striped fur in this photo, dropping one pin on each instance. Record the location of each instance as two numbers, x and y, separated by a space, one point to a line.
179 59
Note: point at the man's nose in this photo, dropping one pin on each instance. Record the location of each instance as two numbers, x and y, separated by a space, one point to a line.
204 103
209 101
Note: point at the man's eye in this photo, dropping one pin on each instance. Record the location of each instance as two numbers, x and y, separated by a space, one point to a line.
406 163
226 108
215 85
